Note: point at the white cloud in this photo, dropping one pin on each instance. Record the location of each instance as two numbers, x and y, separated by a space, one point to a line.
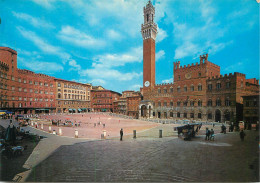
114 35
36 22
98 82
167 80
40 66
45 3
160 55
113 60
74 65
43 45
109 74
235 67
78 38
161 35
135 87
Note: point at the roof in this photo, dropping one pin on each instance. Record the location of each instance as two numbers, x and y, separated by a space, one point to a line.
63 80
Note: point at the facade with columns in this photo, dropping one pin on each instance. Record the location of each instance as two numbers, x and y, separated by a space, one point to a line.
199 92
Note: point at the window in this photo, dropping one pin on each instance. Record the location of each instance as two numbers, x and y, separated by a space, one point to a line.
178 114
30 82
19 80
13 88
46 84
191 103
199 115
218 86
199 103
191 115
218 102
36 83
185 103
165 104
179 77
36 91
227 85
179 89
159 104
171 104
19 89
41 83
185 115
171 90
13 78
159 90
209 102
59 84
255 103
164 90
178 104
199 74
192 88
199 87
24 81
46 92
227 102
209 87
41 92
25 90
51 85
185 88
171 114
25 99
20 98
31 90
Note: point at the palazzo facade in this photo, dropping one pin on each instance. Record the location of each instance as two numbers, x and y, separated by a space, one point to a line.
199 92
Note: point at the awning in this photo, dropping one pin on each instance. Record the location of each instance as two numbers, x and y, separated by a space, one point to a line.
79 110
2 113
74 110
83 109
70 109
8 112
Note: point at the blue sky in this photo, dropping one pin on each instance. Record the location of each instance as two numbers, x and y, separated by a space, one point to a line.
99 41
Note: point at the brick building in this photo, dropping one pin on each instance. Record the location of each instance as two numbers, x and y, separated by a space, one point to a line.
132 103
72 97
199 91
103 100
23 91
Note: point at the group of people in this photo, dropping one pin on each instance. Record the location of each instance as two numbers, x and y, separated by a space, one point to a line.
210 134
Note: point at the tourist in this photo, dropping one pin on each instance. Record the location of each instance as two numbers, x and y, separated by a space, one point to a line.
207 134
121 134
242 135
212 136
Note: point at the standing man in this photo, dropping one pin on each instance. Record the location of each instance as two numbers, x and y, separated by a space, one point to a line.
242 135
121 134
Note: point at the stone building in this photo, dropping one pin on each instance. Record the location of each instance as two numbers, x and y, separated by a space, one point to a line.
23 91
199 91
72 97
103 100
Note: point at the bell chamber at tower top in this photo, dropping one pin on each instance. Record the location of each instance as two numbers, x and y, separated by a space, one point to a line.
149 28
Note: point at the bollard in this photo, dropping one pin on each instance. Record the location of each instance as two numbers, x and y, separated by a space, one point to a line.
42 126
60 131
105 134
49 129
160 133
76 133
134 134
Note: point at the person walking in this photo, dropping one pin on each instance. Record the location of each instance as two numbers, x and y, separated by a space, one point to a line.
121 134
212 135
242 135
207 134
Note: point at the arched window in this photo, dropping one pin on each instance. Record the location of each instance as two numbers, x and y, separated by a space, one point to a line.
218 102
199 103
191 88
209 102
59 95
159 90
